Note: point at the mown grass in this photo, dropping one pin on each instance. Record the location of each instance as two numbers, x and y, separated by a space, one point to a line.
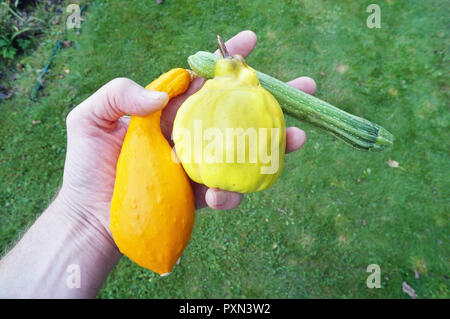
335 210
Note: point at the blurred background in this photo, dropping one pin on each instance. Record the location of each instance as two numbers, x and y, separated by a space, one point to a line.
333 212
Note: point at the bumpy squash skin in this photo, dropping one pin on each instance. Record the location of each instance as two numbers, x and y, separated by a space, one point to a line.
152 208
233 99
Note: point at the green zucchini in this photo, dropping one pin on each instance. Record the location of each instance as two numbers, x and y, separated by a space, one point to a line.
354 130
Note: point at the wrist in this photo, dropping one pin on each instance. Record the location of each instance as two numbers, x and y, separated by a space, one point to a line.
62 255
87 226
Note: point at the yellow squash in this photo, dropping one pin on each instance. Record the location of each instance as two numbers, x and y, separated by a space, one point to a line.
231 134
152 208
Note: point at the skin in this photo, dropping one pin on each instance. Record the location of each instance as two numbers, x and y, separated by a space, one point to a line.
72 235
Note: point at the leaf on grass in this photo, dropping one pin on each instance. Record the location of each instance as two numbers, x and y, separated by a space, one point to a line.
408 290
393 92
341 68
394 164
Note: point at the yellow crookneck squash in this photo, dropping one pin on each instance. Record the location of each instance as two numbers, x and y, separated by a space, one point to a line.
231 134
152 208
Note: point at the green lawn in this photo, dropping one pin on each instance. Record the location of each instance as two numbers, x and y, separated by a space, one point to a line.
334 211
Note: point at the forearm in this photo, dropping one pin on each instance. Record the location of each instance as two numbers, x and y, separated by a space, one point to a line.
62 255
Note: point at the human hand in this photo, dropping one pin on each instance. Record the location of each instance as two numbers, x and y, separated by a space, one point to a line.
97 127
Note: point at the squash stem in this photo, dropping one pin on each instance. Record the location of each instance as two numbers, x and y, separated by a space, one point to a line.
222 47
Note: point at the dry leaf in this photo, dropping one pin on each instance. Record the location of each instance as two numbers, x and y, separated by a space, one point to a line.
394 164
341 68
393 92
407 289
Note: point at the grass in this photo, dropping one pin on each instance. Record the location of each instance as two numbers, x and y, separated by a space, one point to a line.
334 211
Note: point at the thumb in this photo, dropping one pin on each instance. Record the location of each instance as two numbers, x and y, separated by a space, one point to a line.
122 96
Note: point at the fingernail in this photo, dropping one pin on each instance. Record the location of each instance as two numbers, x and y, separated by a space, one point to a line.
219 197
162 97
